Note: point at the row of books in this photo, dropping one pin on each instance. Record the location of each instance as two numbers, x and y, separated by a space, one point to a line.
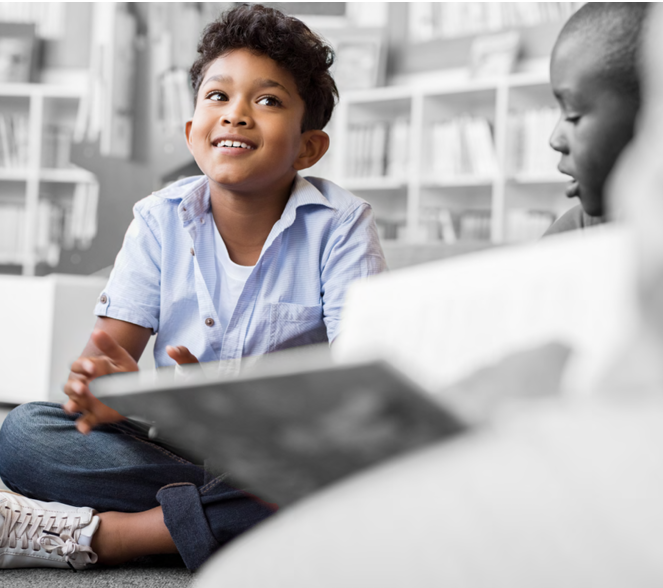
59 224
378 149
529 150
13 233
430 20
439 224
13 140
462 147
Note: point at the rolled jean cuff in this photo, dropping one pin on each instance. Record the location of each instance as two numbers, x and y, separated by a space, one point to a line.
186 521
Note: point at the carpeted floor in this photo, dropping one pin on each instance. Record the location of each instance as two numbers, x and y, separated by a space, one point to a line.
165 571
153 572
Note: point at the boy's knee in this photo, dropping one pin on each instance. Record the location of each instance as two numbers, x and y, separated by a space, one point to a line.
24 420
25 429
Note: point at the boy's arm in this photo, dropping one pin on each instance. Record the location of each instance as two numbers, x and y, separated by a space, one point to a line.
131 337
353 253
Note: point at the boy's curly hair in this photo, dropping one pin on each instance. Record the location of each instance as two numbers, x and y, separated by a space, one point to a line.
286 40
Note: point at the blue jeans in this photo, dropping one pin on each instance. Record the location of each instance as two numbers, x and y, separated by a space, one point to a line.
118 468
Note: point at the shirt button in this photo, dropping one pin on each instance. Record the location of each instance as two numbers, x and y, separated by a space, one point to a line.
103 299
202 221
192 251
209 322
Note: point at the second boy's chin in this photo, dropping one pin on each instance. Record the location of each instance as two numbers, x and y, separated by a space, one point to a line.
592 205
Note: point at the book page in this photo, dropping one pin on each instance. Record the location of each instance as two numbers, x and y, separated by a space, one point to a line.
440 322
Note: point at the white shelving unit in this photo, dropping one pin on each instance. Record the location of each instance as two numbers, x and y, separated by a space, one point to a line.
43 104
405 199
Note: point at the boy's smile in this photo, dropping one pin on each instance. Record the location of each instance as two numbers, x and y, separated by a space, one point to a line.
246 133
596 120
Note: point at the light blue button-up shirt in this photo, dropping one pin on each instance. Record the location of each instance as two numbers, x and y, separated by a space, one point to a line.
166 274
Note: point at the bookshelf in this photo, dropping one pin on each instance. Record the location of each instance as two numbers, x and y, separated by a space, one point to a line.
45 201
476 152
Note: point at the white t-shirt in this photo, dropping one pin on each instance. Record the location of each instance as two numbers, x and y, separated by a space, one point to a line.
230 281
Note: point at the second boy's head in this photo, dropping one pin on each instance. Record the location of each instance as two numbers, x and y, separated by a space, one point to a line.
263 93
593 73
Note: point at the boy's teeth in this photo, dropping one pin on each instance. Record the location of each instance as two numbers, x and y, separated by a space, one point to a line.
229 143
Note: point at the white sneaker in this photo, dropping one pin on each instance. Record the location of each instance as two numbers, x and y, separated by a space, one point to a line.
36 534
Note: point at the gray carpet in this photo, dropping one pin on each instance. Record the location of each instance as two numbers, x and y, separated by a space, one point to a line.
165 571
153 572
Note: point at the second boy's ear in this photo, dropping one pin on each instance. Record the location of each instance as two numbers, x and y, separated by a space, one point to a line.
187 130
314 144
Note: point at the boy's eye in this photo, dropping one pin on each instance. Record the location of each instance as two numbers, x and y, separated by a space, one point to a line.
270 101
217 96
572 118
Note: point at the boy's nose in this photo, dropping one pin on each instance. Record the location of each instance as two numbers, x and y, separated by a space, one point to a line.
558 139
234 121
236 116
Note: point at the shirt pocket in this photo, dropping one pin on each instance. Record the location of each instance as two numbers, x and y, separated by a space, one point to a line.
293 325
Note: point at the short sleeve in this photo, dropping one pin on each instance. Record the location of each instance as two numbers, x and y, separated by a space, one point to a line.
353 252
133 291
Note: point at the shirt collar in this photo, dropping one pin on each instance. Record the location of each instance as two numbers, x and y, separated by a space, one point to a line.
195 199
303 194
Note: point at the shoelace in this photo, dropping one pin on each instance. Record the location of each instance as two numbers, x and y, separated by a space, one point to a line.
68 546
35 531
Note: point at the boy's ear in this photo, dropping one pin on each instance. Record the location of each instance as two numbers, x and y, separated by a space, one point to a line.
187 130
314 145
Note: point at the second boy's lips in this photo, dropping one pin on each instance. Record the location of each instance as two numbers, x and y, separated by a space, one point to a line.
237 140
572 188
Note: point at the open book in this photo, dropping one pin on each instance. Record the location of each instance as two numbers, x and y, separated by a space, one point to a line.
422 352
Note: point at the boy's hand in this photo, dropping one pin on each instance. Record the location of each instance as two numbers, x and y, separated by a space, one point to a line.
180 355
114 359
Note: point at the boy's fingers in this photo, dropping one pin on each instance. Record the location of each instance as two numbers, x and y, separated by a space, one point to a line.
96 414
93 367
114 352
75 388
181 355
71 407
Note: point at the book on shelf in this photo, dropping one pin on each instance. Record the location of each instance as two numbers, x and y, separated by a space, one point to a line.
56 147
474 225
12 233
13 140
437 225
462 147
81 218
378 149
529 152
447 229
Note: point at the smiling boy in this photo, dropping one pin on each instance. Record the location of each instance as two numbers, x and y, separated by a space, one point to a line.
250 258
594 79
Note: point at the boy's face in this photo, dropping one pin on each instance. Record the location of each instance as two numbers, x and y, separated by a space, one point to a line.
249 102
595 125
